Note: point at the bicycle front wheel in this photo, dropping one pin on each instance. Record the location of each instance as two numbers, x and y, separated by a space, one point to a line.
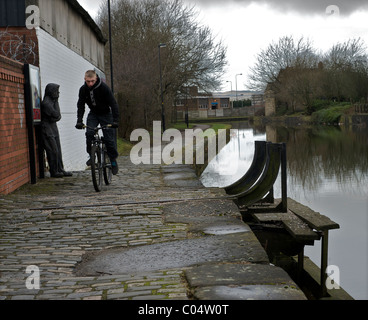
107 169
96 168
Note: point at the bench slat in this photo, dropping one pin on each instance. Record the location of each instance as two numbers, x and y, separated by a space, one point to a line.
295 226
314 219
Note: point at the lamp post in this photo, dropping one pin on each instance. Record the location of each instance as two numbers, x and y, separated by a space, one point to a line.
231 104
236 83
110 36
161 45
231 83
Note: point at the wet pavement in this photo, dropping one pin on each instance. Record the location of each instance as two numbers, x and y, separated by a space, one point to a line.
155 233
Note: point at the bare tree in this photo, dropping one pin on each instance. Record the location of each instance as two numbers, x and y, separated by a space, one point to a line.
286 53
192 56
297 75
349 55
347 70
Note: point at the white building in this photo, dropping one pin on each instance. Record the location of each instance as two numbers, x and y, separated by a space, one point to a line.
70 43
67 43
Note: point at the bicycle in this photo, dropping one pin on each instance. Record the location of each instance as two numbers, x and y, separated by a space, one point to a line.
100 161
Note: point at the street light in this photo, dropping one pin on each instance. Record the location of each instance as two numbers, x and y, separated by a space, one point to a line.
231 83
231 102
161 45
236 83
111 65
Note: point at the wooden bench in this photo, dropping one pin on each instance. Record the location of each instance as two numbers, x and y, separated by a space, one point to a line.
302 223
295 226
321 224
306 226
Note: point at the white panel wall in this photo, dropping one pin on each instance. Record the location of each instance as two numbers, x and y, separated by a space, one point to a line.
60 65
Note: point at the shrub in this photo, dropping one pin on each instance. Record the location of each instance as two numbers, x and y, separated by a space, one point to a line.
330 115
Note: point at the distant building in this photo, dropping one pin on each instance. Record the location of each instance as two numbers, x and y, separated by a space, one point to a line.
257 100
200 105
218 104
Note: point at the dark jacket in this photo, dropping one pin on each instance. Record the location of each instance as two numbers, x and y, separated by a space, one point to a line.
99 99
50 109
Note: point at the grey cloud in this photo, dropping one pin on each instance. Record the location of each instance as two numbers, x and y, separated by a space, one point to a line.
344 7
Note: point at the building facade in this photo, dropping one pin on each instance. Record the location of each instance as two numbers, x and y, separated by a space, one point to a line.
62 40
200 105
63 43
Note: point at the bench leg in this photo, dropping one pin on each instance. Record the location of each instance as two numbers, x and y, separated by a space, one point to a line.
300 264
324 262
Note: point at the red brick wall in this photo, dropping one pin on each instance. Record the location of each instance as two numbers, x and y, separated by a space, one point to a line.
14 155
20 44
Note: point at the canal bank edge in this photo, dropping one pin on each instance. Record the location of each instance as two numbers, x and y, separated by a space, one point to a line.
346 120
311 273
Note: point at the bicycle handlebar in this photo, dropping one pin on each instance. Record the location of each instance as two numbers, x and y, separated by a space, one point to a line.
98 128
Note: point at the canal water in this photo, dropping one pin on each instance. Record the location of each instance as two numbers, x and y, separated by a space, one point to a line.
327 171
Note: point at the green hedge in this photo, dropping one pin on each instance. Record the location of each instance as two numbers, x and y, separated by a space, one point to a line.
330 115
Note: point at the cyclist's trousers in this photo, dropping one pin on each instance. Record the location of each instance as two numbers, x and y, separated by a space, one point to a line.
93 120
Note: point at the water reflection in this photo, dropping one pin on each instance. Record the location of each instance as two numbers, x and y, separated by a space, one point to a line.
327 171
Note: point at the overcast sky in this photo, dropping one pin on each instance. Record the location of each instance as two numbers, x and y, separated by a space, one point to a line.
246 26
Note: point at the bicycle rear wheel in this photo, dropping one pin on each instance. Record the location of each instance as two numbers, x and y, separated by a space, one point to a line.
96 168
107 170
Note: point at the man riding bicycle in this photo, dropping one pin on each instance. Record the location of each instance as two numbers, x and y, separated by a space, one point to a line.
104 111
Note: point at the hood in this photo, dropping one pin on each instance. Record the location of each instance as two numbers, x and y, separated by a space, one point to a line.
52 90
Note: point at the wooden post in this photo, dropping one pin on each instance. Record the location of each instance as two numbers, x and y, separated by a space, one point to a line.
324 262
300 264
283 178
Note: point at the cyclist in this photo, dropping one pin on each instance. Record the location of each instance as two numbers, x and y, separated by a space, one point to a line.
104 110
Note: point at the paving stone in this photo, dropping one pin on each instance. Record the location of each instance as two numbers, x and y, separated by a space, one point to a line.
249 292
58 225
236 274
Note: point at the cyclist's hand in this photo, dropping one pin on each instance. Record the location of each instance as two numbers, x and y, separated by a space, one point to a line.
80 126
115 125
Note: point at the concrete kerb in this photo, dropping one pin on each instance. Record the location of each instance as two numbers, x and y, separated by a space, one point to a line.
62 225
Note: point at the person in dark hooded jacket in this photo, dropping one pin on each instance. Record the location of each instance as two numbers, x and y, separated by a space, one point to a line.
104 111
50 115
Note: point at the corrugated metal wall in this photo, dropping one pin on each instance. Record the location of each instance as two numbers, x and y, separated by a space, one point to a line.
60 65
12 13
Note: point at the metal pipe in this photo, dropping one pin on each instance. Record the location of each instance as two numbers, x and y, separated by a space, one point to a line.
161 45
110 40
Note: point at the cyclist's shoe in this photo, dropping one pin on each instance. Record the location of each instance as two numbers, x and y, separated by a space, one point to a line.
89 163
57 175
114 167
67 174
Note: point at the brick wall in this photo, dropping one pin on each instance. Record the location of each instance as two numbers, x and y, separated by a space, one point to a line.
14 156
19 43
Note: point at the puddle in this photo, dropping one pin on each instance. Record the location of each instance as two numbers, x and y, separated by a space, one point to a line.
250 292
229 229
176 254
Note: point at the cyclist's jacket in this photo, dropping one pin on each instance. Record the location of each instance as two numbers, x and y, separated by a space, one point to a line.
99 99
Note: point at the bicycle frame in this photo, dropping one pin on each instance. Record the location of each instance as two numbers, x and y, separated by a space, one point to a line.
100 161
